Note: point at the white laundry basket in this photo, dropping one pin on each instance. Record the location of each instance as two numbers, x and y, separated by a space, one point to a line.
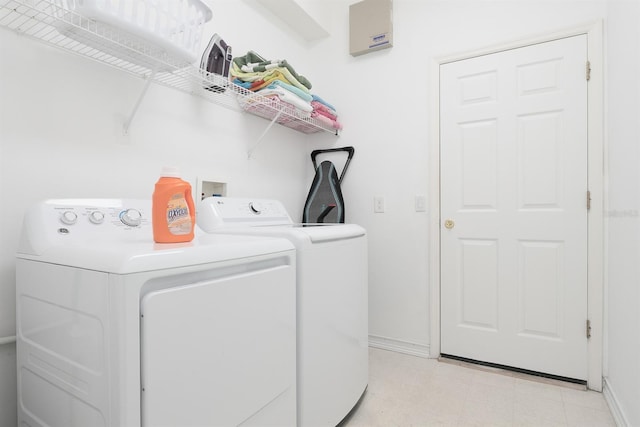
167 30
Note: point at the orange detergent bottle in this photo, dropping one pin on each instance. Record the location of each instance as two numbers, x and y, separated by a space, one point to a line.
173 213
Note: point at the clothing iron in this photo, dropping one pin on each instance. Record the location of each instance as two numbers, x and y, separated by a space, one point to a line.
216 59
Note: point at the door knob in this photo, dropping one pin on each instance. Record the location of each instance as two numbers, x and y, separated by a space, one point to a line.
449 224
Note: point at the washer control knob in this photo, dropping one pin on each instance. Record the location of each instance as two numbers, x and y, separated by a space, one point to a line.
131 217
68 217
255 207
96 217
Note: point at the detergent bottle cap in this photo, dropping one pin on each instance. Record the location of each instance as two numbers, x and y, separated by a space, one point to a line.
170 172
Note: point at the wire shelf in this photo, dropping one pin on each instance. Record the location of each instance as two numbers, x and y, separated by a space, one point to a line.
42 20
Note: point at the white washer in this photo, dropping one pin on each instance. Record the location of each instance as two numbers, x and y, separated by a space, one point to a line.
114 330
331 301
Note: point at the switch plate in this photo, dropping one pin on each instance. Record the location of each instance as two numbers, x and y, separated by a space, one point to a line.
421 203
378 204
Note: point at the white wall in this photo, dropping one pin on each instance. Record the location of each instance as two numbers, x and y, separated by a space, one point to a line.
59 136
388 98
623 210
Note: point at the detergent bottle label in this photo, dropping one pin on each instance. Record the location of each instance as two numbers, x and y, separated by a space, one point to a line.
178 218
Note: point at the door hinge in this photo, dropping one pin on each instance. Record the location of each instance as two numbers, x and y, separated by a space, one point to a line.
588 71
588 199
588 328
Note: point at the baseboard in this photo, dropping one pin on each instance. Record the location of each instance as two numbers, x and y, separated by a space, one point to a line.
399 346
614 407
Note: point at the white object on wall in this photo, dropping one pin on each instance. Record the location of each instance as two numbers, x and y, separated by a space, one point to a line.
370 26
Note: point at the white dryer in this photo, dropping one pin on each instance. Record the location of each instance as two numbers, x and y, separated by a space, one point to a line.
115 330
332 301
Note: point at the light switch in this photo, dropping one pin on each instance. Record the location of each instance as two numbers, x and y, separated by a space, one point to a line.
421 203
378 204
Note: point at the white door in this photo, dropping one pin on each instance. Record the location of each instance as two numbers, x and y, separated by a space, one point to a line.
514 188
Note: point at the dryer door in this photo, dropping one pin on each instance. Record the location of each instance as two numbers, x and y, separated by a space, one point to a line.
221 352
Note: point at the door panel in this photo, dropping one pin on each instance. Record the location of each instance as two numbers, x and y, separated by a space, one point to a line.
479 305
513 181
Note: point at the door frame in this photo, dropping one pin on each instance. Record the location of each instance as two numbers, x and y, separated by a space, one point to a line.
595 177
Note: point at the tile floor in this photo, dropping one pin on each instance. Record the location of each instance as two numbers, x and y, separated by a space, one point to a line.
406 390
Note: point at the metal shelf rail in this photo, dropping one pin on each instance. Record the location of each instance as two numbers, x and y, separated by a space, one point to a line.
46 21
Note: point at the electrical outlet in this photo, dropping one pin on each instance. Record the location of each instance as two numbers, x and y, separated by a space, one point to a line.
378 204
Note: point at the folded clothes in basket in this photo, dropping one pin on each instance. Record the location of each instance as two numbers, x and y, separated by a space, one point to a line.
259 67
324 110
287 96
302 96
277 81
252 65
279 73
300 93
335 124
322 101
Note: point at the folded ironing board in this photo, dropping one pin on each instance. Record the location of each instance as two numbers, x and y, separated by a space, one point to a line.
325 203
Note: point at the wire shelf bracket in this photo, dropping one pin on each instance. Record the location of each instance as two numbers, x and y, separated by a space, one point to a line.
127 123
45 21
261 137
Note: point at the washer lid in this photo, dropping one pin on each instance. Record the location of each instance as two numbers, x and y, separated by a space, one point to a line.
315 233
266 217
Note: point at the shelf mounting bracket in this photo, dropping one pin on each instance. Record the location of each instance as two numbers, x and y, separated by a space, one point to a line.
275 118
127 123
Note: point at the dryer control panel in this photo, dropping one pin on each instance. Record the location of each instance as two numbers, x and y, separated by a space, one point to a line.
76 221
